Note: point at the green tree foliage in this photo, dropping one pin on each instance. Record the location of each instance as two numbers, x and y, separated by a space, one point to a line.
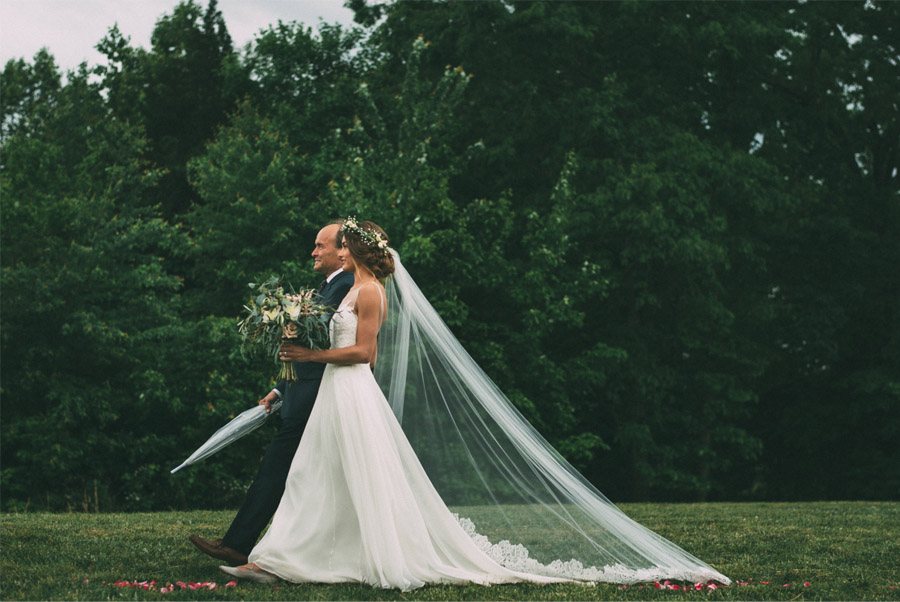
833 380
245 180
669 232
85 294
180 91
723 154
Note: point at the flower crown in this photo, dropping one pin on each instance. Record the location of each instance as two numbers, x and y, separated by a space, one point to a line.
370 237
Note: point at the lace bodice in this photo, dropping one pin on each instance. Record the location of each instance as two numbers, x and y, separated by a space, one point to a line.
343 323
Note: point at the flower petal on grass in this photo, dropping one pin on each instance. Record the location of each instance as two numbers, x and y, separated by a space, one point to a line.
169 587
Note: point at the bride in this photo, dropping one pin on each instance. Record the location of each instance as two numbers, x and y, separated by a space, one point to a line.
366 499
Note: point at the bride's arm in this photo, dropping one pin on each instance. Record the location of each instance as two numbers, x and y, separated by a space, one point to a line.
368 310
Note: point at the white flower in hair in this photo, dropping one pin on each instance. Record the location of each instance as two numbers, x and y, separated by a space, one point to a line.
369 237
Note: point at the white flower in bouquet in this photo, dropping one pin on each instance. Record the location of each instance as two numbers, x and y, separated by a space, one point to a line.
293 309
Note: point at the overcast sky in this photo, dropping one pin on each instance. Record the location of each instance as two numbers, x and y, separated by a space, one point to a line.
71 28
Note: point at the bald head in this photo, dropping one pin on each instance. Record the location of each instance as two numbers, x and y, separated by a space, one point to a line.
325 257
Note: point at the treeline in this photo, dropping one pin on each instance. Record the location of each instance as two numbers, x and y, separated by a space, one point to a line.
669 231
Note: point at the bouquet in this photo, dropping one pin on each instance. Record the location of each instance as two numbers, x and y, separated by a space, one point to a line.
274 317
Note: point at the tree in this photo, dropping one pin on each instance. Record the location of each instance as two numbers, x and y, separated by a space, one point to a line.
834 378
180 91
84 291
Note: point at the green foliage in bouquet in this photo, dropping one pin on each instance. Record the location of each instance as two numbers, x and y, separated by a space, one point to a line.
274 317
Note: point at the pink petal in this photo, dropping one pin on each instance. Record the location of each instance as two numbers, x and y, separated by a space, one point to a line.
231 583
806 584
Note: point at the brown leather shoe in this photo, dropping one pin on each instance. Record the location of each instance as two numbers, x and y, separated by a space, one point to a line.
217 549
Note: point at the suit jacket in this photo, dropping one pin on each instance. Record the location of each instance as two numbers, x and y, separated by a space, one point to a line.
303 391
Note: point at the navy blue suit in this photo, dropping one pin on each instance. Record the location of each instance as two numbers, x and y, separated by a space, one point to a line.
298 397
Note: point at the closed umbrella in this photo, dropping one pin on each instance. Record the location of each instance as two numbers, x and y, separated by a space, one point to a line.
244 423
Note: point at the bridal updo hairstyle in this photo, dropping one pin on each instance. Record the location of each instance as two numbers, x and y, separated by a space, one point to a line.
365 248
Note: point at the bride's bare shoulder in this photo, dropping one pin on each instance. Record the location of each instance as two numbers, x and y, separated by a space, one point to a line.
370 293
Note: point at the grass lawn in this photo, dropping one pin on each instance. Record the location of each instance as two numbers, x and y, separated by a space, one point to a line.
845 550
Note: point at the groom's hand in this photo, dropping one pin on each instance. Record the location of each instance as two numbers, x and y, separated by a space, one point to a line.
293 353
267 401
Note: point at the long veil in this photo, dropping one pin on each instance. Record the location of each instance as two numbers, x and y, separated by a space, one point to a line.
521 501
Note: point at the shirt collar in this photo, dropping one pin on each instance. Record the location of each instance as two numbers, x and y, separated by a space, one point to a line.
333 274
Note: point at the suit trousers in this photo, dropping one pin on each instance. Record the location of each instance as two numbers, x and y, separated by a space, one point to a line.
267 488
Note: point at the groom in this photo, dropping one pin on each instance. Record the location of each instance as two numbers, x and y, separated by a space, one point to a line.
268 486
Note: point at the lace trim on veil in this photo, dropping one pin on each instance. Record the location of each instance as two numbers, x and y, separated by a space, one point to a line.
516 557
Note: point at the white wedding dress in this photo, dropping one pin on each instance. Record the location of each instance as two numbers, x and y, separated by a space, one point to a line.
358 506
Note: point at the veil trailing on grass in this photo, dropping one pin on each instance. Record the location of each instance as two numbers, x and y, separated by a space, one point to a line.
519 499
